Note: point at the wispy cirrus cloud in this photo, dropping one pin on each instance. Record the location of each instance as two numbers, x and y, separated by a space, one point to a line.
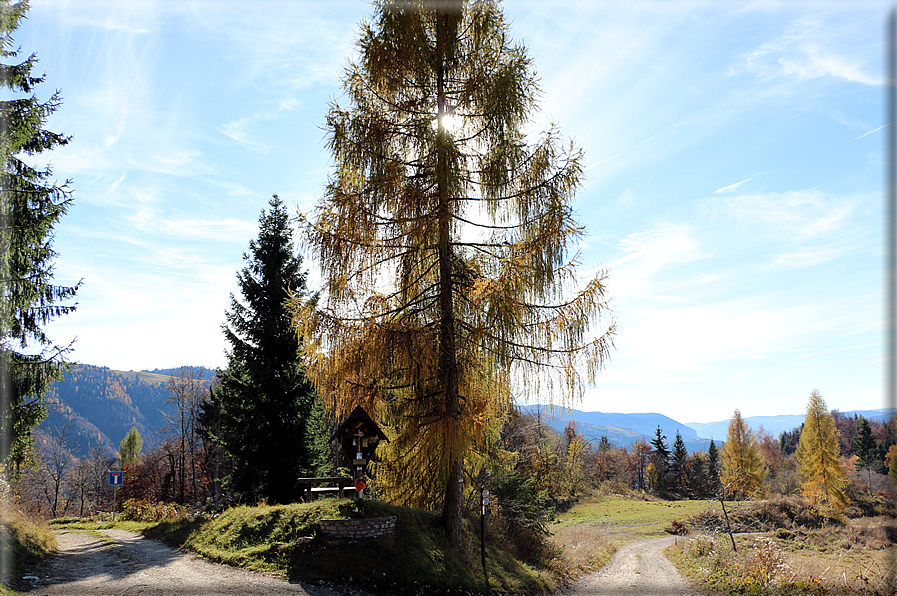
799 214
806 50
660 245
806 257
222 230
731 187
649 252
240 130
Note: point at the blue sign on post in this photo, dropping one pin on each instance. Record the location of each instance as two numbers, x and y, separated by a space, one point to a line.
116 478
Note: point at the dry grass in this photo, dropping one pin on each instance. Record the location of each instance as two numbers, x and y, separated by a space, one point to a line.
23 542
592 530
823 561
586 547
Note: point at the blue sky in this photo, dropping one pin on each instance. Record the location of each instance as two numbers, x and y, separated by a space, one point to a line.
733 157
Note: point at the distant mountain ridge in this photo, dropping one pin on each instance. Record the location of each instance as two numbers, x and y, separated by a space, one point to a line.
775 425
99 405
163 374
622 430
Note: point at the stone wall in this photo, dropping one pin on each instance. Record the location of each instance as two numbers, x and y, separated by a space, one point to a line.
372 527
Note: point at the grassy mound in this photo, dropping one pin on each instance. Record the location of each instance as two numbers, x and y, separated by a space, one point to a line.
284 539
22 543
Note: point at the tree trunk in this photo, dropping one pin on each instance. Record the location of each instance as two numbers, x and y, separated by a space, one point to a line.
448 366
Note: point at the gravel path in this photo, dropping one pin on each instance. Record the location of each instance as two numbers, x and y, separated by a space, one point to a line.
121 563
637 569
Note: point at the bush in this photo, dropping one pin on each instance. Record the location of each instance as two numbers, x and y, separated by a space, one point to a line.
700 546
142 510
763 516
767 561
677 528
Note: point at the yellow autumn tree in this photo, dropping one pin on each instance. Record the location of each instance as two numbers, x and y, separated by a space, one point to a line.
823 478
743 468
444 240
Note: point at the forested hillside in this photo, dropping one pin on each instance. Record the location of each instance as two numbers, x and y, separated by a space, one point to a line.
101 405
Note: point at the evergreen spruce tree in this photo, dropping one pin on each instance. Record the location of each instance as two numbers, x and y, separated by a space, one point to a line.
697 480
822 476
660 460
713 468
31 204
865 448
679 464
272 424
743 468
445 245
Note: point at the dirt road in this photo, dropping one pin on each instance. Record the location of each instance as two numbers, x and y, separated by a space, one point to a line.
637 569
121 563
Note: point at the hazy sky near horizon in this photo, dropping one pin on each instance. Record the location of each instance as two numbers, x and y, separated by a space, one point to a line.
733 178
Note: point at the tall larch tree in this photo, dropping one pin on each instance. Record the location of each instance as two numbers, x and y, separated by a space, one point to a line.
130 447
271 422
31 204
823 478
445 241
743 469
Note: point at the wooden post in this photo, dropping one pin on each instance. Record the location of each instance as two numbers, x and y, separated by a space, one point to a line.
483 538
728 525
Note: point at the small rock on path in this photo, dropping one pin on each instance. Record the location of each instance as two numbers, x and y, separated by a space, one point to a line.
637 569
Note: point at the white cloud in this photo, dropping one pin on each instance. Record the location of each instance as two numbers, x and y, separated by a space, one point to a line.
870 132
807 50
659 246
228 229
239 131
731 187
225 230
806 257
797 214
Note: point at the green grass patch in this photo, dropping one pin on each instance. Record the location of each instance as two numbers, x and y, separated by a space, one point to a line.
626 519
590 532
77 523
284 539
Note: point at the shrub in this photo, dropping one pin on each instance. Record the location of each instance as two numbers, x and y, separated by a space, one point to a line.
767 515
142 510
700 546
676 527
766 561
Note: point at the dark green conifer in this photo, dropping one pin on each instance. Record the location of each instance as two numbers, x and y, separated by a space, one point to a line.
272 424
679 465
865 448
30 206
713 483
660 458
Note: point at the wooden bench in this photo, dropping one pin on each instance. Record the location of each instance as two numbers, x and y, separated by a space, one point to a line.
311 492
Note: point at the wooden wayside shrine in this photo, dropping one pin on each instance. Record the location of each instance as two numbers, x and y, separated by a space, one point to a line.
358 437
